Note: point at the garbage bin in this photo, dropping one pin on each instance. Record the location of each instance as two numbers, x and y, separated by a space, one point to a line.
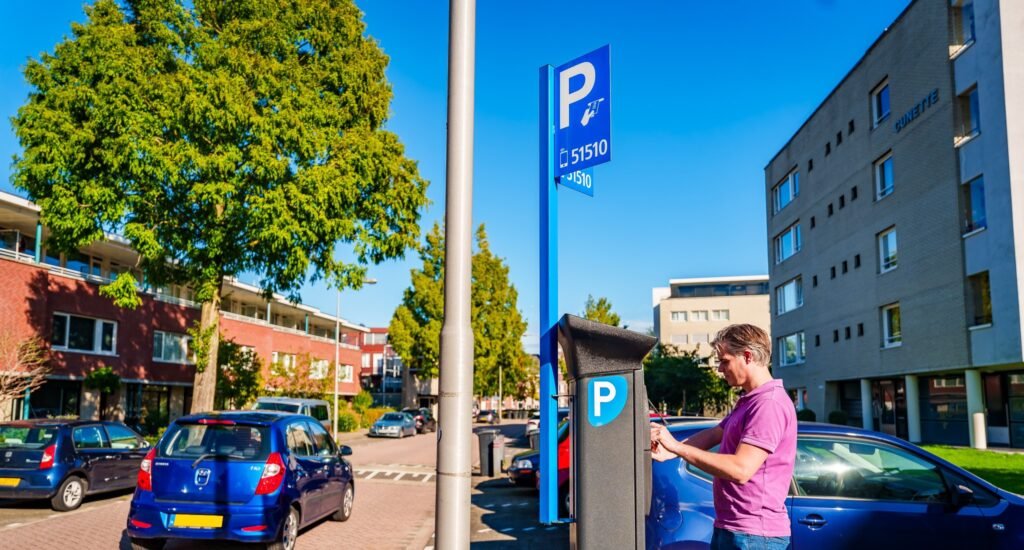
497 455
534 438
486 437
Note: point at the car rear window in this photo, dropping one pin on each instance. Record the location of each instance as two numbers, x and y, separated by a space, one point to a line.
14 437
393 417
230 442
283 407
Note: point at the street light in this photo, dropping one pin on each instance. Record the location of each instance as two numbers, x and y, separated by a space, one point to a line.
337 349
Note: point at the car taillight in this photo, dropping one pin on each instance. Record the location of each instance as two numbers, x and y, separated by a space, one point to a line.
215 422
47 461
145 479
273 475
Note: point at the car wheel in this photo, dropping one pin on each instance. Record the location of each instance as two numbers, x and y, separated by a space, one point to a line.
148 544
289 532
348 497
563 501
70 494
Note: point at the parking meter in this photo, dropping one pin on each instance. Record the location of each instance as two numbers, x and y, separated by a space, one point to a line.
610 472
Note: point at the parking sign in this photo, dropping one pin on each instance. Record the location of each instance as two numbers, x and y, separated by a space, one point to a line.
583 133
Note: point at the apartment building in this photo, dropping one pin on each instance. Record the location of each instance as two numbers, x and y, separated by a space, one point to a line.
55 297
689 312
894 214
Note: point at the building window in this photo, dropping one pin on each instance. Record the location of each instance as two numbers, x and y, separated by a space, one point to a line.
974 205
74 333
817 340
791 349
845 266
981 299
968 114
856 261
842 201
962 13
170 348
883 176
835 335
787 243
832 271
700 338
789 295
679 316
319 369
283 361
853 193
810 164
828 148
812 222
720 315
814 280
839 139
679 339
786 190
887 250
860 329
846 333
880 103
701 315
830 210
849 128
892 334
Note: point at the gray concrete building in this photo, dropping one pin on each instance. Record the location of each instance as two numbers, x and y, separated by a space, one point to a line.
894 217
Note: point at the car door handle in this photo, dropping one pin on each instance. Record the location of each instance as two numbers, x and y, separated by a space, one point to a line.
813 520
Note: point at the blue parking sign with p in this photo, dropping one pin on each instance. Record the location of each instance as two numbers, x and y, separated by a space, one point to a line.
606 397
583 128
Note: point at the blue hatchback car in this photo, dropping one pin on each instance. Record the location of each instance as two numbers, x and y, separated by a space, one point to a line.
241 475
64 460
851 488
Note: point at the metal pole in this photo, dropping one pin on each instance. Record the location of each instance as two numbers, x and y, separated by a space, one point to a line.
501 395
337 359
456 368
548 302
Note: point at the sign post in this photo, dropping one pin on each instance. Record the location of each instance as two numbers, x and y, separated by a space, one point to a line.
575 134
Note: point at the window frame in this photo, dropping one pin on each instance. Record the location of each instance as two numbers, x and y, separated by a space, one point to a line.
958 40
967 192
877 117
970 97
975 319
793 229
792 185
878 175
97 337
890 339
801 349
799 295
887 263
185 342
678 316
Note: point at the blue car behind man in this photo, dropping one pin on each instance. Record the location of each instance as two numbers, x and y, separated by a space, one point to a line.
851 488
245 476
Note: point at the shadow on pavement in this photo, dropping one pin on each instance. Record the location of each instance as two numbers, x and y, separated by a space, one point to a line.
510 513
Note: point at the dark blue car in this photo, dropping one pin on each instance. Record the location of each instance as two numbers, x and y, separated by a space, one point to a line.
243 475
851 489
64 460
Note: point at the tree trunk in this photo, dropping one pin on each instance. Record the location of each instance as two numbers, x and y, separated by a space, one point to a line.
205 386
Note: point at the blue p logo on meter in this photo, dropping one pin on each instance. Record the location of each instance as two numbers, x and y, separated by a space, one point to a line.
606 397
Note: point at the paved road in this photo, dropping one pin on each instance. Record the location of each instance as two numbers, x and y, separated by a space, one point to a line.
394 509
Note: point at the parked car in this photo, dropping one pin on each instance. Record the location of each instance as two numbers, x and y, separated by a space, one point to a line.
64 460
424 419
317 408
240 475
524 466
393 424
846 479
487 416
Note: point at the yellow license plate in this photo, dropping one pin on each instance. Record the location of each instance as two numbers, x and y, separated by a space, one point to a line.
194 521
9 481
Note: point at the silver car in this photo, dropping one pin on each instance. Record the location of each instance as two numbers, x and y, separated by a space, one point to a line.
393 424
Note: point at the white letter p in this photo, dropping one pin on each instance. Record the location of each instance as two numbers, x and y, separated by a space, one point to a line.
565 98
604 392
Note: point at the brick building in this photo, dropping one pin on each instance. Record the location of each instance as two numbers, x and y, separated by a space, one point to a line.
55 297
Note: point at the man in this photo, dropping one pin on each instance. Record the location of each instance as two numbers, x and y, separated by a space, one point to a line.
753 467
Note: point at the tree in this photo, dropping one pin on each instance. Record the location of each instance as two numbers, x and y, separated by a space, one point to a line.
104 380
681 381
498 326
300 376
219 138
24 364
239 376
600 311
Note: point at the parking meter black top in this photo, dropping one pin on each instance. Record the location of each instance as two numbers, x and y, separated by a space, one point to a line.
610 476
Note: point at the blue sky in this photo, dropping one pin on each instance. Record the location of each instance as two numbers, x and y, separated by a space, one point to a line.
704 94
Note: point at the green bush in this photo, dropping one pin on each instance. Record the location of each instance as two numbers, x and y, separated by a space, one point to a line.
347 421
838 417
373 414
362 402
806 415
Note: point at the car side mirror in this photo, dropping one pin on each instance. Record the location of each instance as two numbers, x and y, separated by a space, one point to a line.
962 496
345 450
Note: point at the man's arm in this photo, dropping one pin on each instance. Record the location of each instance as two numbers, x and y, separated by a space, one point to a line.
705 439
738 467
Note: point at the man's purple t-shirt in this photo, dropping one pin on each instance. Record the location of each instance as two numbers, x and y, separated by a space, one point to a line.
764 418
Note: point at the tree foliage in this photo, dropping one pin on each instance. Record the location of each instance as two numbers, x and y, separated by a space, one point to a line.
24 364
220 138
239 375
498 325
300 375
600 310
682 382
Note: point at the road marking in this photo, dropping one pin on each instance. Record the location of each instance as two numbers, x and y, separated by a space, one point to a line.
483 530
373 473
529 529
399 476
507 529
505 505
426 477
552 528
14 524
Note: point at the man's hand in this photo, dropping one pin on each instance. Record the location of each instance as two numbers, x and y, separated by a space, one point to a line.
662 443
661 454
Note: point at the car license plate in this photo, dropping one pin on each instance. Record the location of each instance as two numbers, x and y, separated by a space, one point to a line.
196 521
9 481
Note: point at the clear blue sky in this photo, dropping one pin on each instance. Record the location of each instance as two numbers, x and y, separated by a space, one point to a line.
704 94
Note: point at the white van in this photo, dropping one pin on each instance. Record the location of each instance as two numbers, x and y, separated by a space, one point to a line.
317 408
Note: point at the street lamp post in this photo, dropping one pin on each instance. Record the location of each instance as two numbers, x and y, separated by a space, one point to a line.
337 350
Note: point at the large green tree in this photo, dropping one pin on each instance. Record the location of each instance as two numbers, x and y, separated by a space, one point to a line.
682 382
600 310
220 138
498 326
